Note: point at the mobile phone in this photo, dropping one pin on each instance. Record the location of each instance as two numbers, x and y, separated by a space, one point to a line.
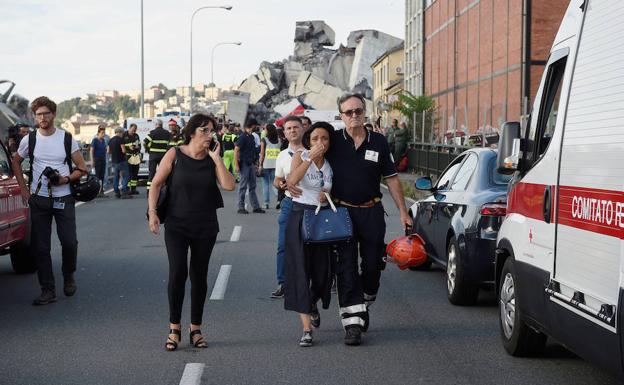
213 144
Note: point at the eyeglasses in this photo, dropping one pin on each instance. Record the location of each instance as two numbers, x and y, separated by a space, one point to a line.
43 114
354 112
204 130
322 179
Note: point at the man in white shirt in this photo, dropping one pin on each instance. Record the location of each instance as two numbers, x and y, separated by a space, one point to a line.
293 131
50 197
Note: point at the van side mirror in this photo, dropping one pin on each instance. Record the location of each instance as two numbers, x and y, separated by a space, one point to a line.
424 183
508 156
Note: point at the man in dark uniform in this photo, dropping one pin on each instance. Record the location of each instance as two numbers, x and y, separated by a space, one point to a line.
132 142
359 159
156 143
177 139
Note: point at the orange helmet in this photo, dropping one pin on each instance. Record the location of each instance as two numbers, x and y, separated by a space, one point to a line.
406 251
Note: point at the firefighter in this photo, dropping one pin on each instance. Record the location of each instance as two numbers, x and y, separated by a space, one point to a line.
156 144
132 142
177 138
227 144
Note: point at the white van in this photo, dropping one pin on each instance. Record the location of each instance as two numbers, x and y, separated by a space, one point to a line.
559 258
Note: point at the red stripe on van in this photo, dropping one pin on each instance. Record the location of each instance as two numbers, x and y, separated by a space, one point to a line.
596 210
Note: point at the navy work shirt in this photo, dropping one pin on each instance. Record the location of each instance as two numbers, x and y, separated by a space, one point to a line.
247 149
357 173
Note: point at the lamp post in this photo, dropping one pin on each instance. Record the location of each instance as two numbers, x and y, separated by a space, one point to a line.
142 68
227 8
212 83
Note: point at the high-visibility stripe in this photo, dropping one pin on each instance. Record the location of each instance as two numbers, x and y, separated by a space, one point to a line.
353 309
160 141
352 321
148 138
158 150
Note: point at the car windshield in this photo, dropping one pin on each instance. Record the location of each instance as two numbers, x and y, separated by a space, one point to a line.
498 178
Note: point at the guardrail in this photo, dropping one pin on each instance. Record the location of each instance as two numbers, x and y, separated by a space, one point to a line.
431 159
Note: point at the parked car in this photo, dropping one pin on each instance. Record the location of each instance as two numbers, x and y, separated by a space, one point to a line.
14 219
459 221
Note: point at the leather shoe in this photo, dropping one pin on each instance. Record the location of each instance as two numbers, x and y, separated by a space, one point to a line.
69 287
46 297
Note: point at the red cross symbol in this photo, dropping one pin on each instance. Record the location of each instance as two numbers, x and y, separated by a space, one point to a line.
530 235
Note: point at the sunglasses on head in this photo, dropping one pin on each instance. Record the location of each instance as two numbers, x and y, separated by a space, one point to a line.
354 112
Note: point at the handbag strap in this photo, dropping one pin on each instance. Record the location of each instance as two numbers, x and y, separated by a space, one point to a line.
173 166
331 204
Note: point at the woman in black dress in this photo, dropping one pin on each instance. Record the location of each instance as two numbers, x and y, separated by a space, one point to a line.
194 198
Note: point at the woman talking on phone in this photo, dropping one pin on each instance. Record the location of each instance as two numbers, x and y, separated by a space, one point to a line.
193 200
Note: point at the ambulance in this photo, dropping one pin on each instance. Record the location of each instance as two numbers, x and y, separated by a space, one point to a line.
560 251
144 126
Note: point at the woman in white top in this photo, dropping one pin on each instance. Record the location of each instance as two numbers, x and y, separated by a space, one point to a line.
307 267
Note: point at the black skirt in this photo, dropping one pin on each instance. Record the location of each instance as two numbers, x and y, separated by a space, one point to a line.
307 267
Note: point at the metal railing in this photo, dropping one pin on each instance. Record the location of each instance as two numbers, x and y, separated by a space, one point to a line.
431 159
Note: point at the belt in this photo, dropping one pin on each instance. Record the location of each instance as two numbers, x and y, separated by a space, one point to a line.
365 205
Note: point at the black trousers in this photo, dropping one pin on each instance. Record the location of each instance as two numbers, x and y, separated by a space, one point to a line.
100 168
307 267
154 161
178 245
369 229
41 214
133 170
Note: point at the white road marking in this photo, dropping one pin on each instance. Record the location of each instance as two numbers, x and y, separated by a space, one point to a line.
218 291
192 374
236 233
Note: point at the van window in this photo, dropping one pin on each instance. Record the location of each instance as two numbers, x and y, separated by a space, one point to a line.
543 125
465 172
447 175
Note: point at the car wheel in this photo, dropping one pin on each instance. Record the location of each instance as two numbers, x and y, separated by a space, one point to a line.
518 338
425 266
459 290
22 260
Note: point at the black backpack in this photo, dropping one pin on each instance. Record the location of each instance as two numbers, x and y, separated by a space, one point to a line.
32 141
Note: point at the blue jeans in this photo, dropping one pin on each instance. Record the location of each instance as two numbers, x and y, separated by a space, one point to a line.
120 168
282 220
268 175
247 180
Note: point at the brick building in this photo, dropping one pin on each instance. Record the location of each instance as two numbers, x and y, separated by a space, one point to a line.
483 59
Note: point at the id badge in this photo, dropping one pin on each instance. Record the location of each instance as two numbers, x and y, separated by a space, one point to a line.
372 156
58 204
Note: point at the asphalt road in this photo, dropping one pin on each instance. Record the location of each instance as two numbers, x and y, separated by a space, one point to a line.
113 331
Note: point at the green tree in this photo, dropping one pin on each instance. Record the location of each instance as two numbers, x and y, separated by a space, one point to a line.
413 107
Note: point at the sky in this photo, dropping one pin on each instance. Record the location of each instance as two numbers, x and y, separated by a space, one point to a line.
67 48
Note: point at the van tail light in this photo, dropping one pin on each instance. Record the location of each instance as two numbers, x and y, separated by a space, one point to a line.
494 209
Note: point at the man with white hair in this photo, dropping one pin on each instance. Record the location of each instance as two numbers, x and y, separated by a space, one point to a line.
156 144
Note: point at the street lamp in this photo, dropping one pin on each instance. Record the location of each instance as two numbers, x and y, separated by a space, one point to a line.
227 8
212 83
142 68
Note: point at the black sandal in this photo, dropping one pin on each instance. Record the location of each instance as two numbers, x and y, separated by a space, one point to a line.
171 344
200 343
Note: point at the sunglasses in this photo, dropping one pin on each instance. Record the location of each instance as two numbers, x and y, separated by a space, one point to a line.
354 112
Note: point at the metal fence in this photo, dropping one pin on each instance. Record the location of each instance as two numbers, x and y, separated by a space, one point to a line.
431 159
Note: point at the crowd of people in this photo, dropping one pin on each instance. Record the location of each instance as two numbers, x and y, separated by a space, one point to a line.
304 166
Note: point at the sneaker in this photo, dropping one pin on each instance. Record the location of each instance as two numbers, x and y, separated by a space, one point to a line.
279 292
306 339
353 335
242 211
315 317
46 297
69 287
259 211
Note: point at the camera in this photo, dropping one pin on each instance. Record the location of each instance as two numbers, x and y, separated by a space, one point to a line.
53 175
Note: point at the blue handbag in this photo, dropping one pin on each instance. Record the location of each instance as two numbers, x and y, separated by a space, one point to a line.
326 226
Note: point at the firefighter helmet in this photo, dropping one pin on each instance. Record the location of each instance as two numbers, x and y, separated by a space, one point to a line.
407 251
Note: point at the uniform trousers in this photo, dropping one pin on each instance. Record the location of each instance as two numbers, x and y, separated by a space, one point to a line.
133 170
154 161
353 284
178 244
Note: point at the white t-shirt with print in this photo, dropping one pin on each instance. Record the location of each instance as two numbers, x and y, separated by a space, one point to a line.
282 165
313 182
49 151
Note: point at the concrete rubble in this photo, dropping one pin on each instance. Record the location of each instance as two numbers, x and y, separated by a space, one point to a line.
315 76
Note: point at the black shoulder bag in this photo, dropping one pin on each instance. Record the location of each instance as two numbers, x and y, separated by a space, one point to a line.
164 195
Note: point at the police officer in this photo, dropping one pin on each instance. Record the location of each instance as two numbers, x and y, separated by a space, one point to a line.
359 159
177 139
156 143
228 139
132 142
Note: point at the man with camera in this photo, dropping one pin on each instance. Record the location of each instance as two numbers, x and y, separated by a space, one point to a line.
49 196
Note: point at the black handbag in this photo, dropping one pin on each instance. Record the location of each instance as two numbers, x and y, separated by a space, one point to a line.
328 225
163 196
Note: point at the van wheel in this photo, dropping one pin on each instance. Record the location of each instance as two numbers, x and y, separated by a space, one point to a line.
425 266
22 260
518 338
459 290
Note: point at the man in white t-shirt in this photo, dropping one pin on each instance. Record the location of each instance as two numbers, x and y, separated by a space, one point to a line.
293 131
50 197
